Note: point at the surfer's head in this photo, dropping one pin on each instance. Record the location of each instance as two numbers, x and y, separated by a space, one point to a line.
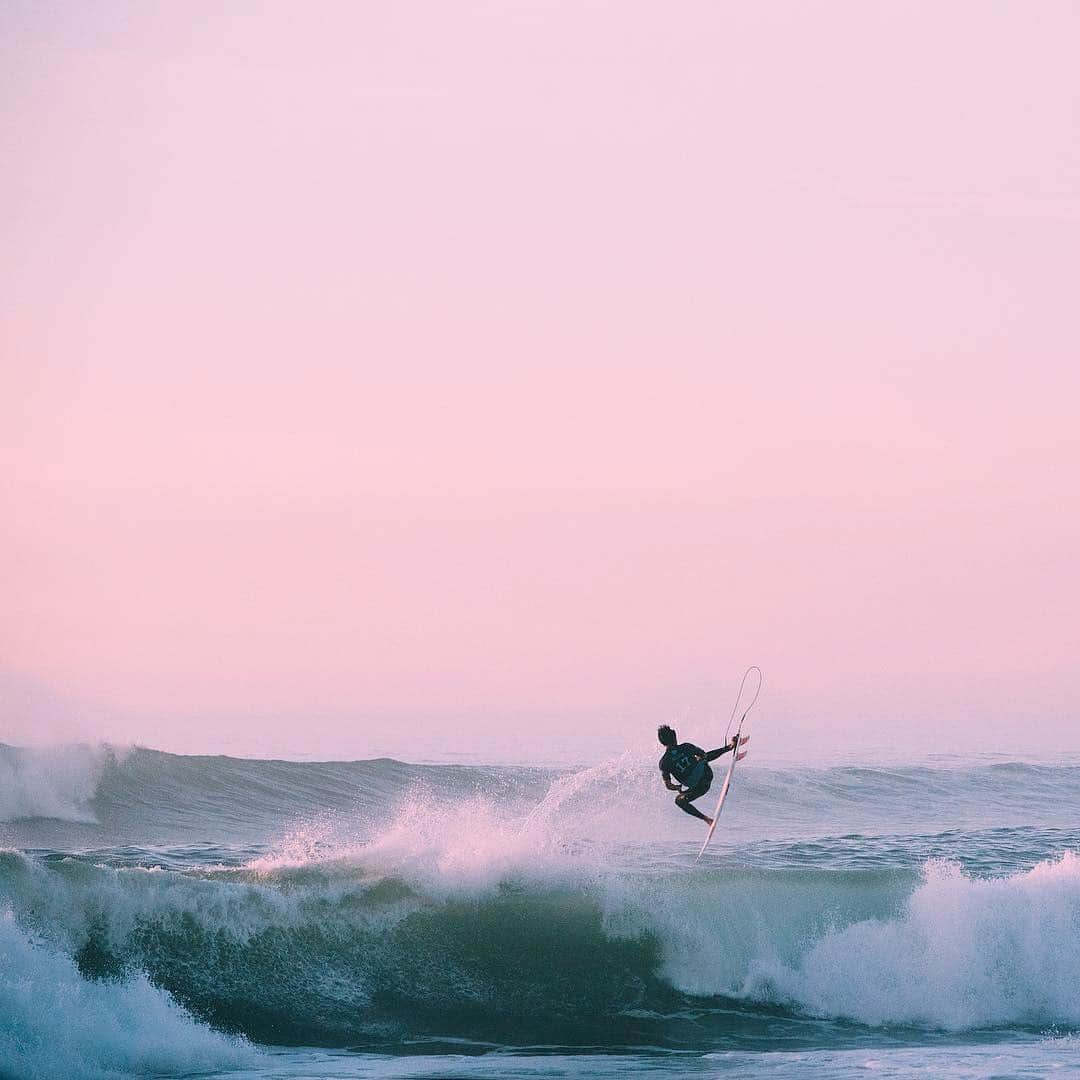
666 735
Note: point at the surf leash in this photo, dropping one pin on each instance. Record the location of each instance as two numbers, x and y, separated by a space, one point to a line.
738 699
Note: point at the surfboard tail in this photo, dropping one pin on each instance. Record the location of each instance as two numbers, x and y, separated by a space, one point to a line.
742 753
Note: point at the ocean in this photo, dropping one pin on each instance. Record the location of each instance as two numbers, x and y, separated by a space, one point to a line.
182 916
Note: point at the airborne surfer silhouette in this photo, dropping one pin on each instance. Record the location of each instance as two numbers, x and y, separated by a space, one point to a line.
689 765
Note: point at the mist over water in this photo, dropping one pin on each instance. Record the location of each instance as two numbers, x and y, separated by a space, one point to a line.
236 905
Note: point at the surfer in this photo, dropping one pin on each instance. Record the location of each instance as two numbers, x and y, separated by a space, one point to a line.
689 764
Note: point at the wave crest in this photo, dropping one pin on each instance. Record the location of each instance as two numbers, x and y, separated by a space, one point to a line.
50 782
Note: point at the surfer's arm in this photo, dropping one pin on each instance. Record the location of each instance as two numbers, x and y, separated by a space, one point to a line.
712 755
669 785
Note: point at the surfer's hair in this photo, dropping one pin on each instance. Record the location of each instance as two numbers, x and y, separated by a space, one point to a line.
666 735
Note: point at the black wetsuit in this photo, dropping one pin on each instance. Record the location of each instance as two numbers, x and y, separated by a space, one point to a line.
686 762
689 764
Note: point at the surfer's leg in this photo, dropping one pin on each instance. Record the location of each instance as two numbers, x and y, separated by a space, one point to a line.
684 804
685 800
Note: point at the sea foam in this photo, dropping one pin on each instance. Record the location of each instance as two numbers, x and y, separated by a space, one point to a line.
55 1022
963 953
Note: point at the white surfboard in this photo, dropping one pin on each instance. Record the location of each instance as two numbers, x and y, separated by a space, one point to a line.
736 755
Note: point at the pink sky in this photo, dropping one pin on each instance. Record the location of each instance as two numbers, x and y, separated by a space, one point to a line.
447 364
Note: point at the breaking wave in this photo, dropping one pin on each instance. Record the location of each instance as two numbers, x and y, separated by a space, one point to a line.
459 920
56 1022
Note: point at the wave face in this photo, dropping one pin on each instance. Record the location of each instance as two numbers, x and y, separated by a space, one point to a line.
367 903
